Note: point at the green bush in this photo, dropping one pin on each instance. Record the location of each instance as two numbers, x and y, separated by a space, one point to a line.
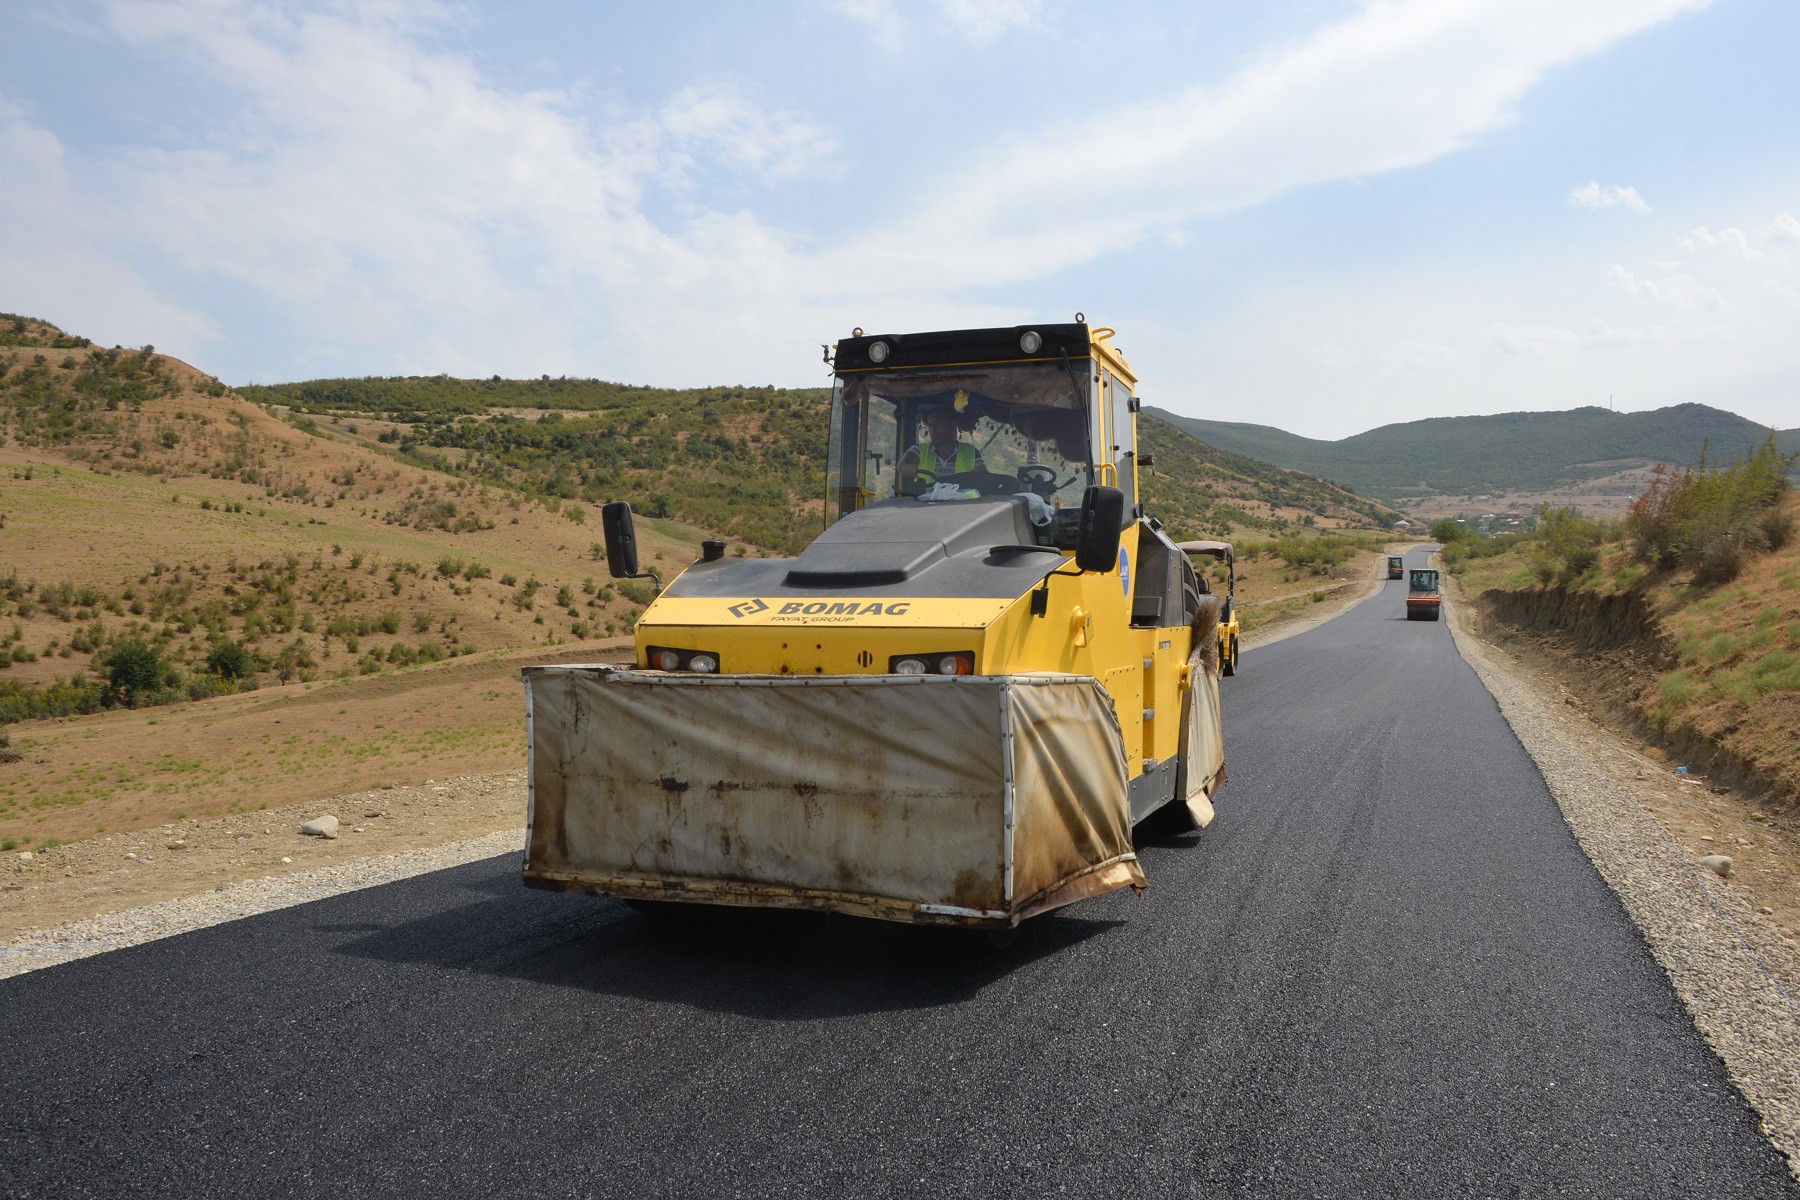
1567 545
637 591
136 671
24 701
1448 531
1712 520
230 660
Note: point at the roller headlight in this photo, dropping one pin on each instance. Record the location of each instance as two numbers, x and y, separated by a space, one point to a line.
662 658
953 662
878 352
1030 341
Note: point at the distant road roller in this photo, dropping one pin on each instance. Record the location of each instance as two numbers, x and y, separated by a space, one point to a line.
951 708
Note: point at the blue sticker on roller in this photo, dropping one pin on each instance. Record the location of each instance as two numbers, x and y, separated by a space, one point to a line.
1125 570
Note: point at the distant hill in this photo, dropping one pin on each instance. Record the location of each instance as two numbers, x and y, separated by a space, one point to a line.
1527 451
748 462
1199 490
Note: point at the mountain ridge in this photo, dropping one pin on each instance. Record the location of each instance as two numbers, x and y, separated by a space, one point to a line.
1518 451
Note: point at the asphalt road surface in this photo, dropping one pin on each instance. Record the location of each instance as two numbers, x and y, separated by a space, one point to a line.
1386 969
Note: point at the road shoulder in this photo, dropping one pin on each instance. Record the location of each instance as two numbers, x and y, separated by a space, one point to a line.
1734 971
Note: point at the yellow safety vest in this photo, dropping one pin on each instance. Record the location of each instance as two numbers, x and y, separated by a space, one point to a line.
928 458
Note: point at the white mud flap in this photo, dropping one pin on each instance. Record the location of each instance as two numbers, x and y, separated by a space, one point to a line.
1202 745
976 800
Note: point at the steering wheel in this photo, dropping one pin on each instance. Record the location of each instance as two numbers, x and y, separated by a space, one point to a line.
987 483
1038 478
921 482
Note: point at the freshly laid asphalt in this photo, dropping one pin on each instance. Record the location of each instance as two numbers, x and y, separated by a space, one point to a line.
1385 970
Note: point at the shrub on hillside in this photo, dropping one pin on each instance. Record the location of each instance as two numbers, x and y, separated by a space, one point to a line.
1448 530
25 701
1712 520
136 672
1567 545
230 660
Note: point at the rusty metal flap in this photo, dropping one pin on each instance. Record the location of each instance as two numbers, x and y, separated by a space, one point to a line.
976 798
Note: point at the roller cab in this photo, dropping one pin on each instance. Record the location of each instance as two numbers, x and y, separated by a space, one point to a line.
951 707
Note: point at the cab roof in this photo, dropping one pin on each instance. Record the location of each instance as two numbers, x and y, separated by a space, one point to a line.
962 346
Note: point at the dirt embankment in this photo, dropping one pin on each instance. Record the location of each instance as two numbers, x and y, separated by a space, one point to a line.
1611 650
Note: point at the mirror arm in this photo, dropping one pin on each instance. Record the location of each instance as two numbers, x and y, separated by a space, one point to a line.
1040 595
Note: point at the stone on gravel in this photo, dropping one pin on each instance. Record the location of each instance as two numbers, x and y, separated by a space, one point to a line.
325 827
178 844
286 859
25 856
1719 864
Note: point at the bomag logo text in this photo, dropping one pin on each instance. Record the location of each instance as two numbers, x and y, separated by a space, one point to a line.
842 608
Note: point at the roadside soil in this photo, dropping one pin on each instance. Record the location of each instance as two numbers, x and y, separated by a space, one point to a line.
452 769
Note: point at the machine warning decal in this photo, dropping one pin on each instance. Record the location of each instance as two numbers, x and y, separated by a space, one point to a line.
747 608
1125 570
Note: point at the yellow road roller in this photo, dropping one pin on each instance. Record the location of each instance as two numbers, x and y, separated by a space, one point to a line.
950 708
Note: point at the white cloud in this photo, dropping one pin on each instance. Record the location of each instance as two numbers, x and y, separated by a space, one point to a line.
975 21
57 264
1534 339
1404 83
1776 240
724 118
1679 291
1592 195
985 20
400 211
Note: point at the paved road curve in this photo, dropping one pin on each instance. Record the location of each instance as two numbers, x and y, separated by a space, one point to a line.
1385 970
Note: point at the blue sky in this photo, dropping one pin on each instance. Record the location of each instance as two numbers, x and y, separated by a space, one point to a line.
1320 215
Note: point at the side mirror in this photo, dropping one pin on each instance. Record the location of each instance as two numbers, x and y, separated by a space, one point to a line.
621 540
1102 521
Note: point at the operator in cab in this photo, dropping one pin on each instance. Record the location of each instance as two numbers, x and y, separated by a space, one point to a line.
943 452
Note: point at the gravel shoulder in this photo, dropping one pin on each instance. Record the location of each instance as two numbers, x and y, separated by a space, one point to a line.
1736 970
117 890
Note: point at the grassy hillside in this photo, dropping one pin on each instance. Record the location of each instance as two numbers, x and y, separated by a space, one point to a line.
1687 614
748 461
1199 490
1528 451
146 506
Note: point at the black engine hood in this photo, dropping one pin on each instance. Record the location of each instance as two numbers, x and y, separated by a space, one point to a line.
982 548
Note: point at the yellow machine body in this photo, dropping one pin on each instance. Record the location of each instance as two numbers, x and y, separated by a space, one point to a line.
912 575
